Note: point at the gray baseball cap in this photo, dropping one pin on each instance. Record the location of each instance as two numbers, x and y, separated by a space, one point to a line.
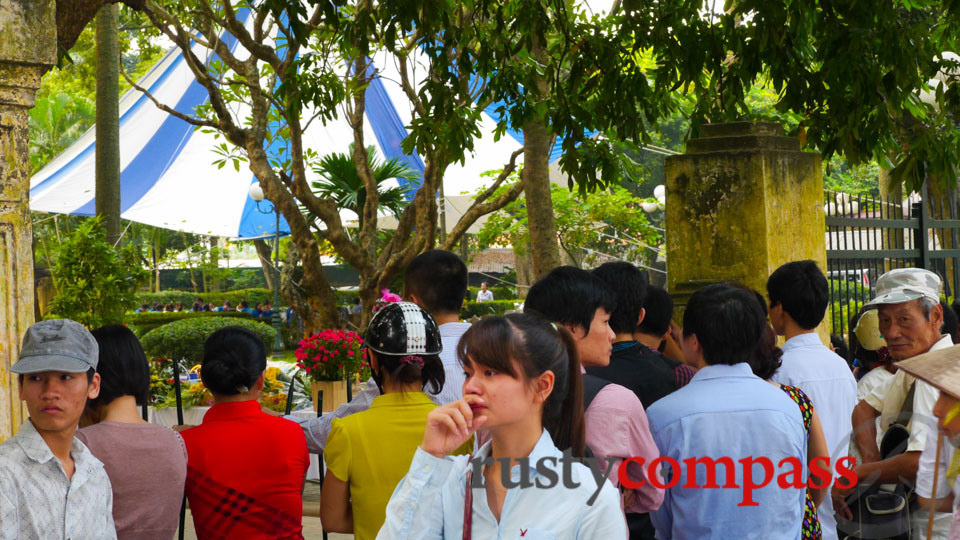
905 284
57 345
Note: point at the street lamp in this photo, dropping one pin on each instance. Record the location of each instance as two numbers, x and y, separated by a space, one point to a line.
256 193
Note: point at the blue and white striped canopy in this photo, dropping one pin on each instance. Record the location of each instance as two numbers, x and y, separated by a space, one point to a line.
168 177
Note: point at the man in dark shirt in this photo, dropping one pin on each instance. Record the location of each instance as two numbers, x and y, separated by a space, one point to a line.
643 370
655 328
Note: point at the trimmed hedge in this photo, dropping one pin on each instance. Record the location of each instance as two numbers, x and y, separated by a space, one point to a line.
141 323
184 339
499 292
254 296
495 307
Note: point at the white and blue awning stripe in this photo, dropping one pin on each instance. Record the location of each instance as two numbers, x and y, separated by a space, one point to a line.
168 178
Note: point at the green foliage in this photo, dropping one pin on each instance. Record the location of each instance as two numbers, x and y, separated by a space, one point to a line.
341 182
253 296
840 176
141 323
607 222
840 314
183 340
499 292
96 283
494 307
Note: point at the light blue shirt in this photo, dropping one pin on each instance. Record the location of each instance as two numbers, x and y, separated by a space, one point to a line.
727 411
826 379
429 502
454 378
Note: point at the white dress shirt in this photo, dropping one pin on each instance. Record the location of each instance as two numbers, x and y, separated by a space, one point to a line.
827 380
428 503
39 502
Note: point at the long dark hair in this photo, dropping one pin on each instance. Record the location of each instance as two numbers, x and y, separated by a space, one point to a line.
431 376
535 346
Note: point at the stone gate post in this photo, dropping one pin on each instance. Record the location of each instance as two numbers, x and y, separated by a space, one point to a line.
741 201
28 47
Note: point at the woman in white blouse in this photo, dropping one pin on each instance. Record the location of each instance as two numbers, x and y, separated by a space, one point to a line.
523 386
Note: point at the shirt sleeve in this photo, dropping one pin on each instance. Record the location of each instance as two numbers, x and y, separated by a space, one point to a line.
924 398
617 426
415 509
317 429
9 526
876 396
928 468
110 529
338 453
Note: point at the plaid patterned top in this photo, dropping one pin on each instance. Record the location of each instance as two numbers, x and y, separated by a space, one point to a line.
39 502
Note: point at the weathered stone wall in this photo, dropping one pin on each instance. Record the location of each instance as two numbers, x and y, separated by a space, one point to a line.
742 201
27 48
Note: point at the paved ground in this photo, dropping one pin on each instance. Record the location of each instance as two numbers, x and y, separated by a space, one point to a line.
311 521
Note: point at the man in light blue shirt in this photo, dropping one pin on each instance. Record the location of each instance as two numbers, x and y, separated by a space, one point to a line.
799 294
738 441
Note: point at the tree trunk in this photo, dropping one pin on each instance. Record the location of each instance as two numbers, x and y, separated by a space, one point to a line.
107 195
264 252
536 187
523 266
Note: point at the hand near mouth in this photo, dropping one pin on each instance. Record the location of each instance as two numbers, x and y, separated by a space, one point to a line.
450 426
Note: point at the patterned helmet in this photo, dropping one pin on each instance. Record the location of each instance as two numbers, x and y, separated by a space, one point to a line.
403 329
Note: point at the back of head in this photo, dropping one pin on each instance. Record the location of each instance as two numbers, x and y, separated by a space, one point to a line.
630 287
438 278
525 346
767 357
569 295
659 312
801 288
727 321
122 366
406 341
233 359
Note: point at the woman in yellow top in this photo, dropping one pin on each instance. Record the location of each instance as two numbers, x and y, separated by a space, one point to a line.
368 453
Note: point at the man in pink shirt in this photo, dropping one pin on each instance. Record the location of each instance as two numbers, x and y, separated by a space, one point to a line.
616 424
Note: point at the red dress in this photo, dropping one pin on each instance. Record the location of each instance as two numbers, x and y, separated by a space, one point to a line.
245 472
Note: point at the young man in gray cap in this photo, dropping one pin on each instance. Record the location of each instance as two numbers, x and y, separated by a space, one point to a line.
51 486
910 315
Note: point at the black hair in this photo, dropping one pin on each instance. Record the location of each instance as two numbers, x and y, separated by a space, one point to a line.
659 312
144 306
630 286
431 376
727 320
569 295
767 357
439 279
122 366
949 321
841 349
801 288
244 304
528 342
233 359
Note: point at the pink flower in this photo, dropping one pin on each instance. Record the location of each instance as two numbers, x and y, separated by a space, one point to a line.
349 353
389 297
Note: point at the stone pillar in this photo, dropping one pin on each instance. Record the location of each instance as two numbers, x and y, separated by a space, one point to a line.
28 48
741 201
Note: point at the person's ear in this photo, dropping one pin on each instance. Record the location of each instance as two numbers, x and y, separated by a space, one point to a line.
576 330
415 299
643 313
936 317
93 389
544 386
260 381
374 363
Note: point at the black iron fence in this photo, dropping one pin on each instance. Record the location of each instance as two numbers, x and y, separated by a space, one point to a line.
867 236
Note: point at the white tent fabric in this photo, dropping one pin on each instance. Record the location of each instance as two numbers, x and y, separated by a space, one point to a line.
168 178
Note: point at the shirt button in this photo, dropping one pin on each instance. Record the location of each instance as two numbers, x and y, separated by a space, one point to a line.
426 467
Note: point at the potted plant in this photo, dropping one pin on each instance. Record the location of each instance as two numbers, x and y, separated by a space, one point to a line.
328 358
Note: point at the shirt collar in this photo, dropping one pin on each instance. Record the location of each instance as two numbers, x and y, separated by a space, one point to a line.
232 410
810 339
945 342
36 448
394 399
543 448
719 371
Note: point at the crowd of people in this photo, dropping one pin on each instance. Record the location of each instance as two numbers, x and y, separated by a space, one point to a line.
590 414
264 311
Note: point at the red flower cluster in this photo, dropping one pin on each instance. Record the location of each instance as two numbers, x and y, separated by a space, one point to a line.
331 355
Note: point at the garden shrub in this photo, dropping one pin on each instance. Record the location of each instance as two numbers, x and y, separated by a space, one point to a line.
495 307
499 292
253 296
840 311
183 339
141 323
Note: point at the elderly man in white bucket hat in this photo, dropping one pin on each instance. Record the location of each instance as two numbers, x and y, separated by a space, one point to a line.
910 319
